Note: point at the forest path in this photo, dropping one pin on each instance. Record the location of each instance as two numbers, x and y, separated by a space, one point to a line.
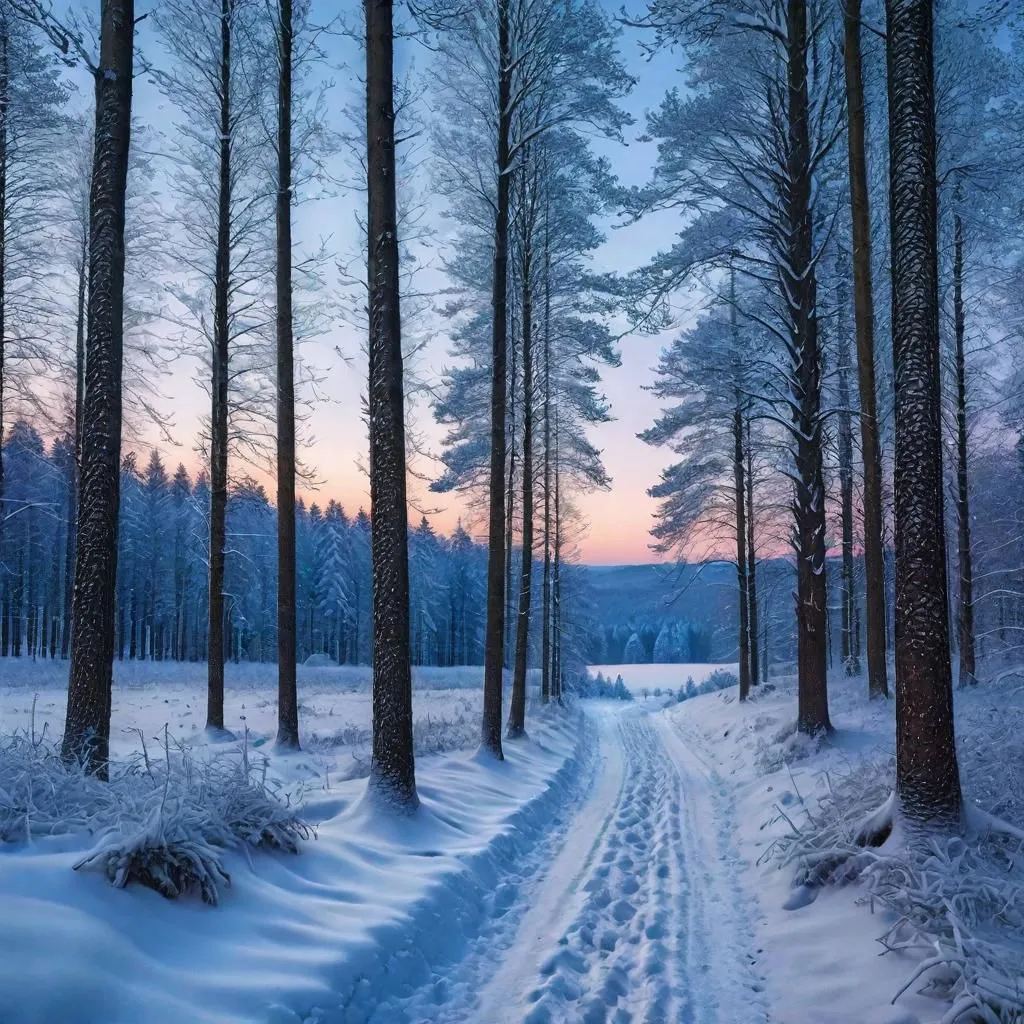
634 917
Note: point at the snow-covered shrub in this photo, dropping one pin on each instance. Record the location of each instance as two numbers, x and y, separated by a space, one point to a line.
786 746
170 854
957 902
720 679
164 823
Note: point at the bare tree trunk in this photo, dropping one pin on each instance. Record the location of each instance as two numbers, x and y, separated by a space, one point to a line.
219 391
927 774
495 633
849 647
556 607
739 504
965 605
864 315
392 770
799 284
87 725
741 549
545 644
69 556
510 487
752 615
287 696
517 710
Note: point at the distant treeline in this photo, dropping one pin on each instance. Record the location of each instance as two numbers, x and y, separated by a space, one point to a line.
162 588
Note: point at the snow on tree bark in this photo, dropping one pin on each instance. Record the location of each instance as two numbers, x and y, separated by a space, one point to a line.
741 552
392 768
220 358
864 315
752 615
965 602
927 773
545 645
87 723
517 708
494 642
797 279
739 503
849 644
287 696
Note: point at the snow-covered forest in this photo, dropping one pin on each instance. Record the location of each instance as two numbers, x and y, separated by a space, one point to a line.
161 595
361 694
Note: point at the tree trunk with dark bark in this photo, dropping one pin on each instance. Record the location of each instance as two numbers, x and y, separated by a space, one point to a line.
517 708
494 641
965 605
510 486
864 315
927 773
752 614
287 696
848 646
738 468
739 507
87 723
799 284
392 768
220 357
545 643
556 586
69 574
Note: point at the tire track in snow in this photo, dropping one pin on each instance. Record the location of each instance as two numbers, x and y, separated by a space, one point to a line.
624 959
629 912
504 894
728 987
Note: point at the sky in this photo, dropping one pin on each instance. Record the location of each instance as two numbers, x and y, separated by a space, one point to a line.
618 520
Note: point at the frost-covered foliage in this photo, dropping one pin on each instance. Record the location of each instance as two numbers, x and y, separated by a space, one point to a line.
455 727
720 679
164 823
786 746
957 902
601 686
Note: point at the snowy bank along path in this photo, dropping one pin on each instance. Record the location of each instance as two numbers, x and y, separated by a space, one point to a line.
626 910
589 878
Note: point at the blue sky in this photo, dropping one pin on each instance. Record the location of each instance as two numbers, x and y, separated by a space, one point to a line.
619 520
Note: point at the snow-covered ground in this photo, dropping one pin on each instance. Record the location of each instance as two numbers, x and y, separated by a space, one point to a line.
618 867
822 961
340 932
335 712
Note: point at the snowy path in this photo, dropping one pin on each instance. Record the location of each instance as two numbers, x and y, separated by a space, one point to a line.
633 914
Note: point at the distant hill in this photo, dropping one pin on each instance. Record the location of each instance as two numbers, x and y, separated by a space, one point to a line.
657 592
684 613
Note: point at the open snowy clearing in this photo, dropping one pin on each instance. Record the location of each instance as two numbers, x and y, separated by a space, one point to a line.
335 712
